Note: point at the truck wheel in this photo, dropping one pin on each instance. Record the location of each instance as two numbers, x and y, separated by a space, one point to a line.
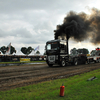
88 61
63 63
75 61
98 60
94 61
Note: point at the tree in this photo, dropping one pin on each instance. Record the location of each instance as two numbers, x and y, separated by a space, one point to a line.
12 50
44 53
73 51
29 50
3 49
26 51
37 52
83 51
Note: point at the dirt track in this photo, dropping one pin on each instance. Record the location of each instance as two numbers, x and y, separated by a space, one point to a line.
17 76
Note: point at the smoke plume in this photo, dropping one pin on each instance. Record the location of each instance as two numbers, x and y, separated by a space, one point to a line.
80 26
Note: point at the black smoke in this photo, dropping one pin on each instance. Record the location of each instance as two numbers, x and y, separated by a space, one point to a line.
80 26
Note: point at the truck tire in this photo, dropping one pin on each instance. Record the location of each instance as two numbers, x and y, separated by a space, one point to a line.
88 61
94 61
75 61
97 61
63 63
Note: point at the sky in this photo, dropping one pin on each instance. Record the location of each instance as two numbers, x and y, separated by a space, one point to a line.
25 23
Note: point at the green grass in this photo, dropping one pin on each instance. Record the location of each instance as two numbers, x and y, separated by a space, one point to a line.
20 62
76 88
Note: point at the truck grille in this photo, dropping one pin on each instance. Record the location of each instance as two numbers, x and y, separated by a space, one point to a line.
51 58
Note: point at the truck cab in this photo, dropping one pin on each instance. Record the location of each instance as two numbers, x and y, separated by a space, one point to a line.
57 52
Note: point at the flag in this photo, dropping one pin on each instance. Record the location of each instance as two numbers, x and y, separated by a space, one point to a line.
37 48
9 48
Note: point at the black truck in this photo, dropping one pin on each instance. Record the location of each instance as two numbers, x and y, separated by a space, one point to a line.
57 53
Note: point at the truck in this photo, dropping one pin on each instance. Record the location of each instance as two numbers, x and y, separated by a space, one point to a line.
57 53
94 56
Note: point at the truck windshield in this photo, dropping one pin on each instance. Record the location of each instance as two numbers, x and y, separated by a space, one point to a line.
52 46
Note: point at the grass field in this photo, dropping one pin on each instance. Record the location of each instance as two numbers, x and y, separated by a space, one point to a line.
76 88
20 62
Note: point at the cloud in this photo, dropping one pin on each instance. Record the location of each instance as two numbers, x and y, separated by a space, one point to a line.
32 22
13 6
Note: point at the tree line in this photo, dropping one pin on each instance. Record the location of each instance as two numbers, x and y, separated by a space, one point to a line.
24 50
28 50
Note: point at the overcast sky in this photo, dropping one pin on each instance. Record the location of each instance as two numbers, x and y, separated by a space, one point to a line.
27 23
